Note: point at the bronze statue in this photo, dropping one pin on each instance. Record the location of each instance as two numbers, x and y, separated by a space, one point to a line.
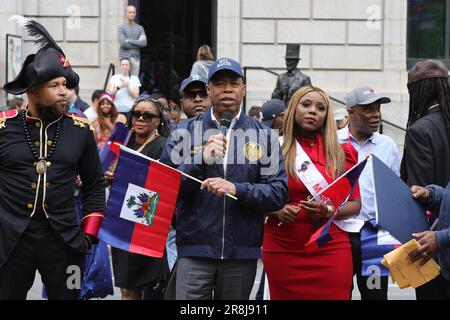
293 79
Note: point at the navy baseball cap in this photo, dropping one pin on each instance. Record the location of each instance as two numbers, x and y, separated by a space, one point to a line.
225 64
270 110
192 79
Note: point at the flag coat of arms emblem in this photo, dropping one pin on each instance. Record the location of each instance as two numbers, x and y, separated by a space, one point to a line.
141 204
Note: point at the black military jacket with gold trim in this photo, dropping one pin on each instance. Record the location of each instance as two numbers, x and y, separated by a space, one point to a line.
26 194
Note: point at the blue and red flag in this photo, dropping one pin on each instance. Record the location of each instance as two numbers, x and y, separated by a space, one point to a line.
141 204
375 243
338 192
396 213
112 147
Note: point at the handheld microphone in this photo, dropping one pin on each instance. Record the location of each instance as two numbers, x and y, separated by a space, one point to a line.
225 122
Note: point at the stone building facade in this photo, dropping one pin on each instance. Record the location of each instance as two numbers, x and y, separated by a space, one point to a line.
86 30
344 43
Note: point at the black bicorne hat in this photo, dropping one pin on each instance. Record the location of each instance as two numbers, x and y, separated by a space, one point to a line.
48 63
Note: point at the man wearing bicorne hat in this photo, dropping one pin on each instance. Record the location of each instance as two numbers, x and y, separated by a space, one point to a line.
42 151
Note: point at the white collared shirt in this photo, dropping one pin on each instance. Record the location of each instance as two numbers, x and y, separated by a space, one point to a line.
384 148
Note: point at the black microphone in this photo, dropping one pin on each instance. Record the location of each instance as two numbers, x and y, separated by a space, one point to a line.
225 122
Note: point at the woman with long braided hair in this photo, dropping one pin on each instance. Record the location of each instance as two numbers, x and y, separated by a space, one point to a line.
426 158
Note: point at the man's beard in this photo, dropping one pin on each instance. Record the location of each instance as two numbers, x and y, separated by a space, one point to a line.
51 113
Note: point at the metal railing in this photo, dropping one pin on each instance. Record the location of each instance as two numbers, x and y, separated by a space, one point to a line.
111 72
332 98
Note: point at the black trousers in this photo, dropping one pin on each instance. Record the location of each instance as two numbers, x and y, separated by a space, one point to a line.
436 289
40 248
367 293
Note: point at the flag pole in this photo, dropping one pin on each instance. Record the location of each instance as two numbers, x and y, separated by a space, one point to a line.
165 165
195 179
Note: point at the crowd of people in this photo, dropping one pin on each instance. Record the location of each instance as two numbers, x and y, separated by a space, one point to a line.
269 159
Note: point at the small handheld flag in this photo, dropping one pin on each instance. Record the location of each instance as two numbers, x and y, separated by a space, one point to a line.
338 192
141 205
111 150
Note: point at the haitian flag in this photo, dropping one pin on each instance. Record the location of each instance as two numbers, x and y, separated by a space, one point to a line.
141 204
338 192
397 214
375 243
111 150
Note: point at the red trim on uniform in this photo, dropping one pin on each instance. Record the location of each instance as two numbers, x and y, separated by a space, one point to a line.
91 223
8 114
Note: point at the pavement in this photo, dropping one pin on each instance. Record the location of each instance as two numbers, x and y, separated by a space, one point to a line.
394 292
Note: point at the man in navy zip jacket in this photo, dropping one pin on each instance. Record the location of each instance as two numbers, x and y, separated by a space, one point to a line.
218 238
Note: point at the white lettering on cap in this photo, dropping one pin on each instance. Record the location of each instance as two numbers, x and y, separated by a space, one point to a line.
368 91
223 62
195 77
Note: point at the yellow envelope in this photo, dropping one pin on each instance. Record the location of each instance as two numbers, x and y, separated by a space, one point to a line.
396 275
406 273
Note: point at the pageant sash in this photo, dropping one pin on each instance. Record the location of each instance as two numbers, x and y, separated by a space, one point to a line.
315 182
309 175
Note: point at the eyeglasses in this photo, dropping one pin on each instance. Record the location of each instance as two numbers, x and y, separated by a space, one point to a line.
193 94
147 116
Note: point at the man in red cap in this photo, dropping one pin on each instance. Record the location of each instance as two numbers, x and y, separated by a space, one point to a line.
42 151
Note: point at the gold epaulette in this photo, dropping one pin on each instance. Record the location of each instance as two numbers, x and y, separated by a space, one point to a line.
5 115
79 120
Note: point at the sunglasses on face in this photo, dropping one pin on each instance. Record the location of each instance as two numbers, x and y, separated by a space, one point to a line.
147 116
193 94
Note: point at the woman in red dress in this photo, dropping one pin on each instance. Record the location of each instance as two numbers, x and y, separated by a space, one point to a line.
292 272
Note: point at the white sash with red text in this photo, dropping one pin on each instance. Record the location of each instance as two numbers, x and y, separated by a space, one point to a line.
314 181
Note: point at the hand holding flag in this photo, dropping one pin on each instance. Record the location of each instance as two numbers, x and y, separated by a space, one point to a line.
338 193
141 205
317 210
219 186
